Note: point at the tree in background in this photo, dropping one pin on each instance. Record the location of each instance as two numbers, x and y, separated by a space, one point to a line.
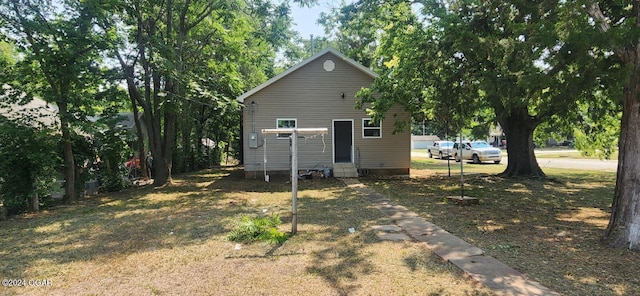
28 163
60 63
28 144
524 61
113 150
190 59
532 63
356 26
525 65
300 48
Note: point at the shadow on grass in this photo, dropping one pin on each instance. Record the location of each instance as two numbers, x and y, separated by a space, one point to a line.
347 259
201 207
116 224
344 259
547 229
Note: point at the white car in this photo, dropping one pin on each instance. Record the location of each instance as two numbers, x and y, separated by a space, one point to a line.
477 151
440 148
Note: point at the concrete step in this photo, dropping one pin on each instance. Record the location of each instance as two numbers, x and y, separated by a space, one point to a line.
345 170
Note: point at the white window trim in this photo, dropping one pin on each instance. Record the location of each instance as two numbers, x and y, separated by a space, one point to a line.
282 136
371 128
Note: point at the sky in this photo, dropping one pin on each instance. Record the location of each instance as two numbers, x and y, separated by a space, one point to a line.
305 18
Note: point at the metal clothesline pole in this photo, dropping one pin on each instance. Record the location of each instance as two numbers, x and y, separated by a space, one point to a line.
294 181
294 165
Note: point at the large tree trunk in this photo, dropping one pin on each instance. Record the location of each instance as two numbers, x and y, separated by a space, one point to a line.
157 141
170 120
134 97
518 128
624 224
162 143
161 165
186 153
140 141
67 147
200 161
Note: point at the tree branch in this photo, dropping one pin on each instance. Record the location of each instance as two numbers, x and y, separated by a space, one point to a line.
604 25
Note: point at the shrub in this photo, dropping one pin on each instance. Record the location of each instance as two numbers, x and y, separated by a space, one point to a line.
28 163
258 229
113 151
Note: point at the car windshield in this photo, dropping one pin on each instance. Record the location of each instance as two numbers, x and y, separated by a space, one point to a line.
480 145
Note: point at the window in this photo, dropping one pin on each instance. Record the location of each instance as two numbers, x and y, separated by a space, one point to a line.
371 129
286 123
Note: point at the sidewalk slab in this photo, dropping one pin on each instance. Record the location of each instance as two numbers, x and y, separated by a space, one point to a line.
449 247
391 233
393 236
395 212
488 271
499 277
386 228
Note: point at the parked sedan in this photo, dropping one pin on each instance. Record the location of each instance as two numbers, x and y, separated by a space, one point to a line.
477 151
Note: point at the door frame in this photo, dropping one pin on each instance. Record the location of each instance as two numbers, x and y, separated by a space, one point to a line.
333 139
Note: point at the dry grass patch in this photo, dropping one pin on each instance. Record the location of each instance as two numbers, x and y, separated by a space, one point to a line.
171 241
548 229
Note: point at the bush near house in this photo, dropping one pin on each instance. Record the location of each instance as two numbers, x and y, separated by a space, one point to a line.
28 163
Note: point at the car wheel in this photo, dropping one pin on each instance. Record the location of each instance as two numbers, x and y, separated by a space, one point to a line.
496 161
440 155
476 159
430 155
456 158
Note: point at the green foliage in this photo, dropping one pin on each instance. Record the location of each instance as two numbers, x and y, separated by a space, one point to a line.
60 53
84 155
113 151
299 48
418 71
191 60
258 229
599 138
357 26
556 129
430 127
28 164
113 180
525 62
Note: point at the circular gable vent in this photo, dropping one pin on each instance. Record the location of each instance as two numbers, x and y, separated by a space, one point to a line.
329 65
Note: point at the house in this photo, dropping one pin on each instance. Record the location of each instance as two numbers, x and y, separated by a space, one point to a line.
423 142
38 111
320 92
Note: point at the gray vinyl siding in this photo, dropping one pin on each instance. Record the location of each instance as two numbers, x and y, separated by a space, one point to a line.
313 96
390 151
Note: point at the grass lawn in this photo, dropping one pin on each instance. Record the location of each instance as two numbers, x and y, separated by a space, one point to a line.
547 229
171 241
570 154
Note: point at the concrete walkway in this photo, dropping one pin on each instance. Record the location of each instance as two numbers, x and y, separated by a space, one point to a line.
486 270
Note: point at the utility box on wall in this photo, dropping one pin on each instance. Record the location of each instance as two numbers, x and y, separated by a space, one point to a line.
253 140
